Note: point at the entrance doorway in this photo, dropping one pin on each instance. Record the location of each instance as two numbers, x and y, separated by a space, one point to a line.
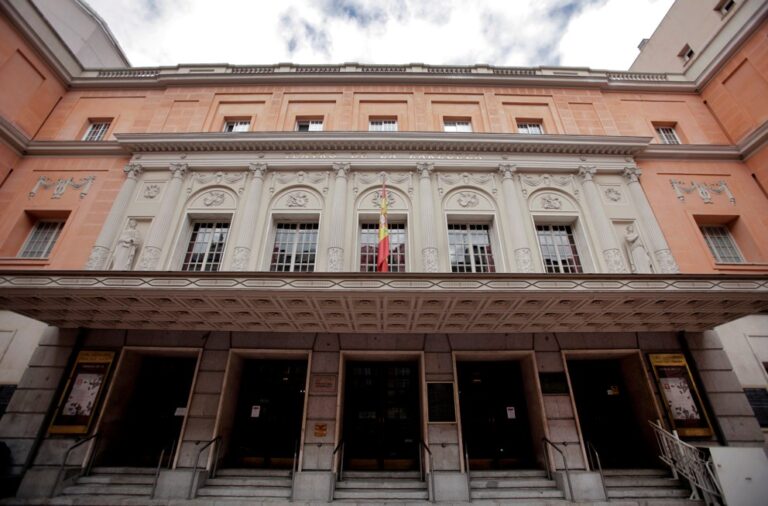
146 410
268 414
614 404
382 416
495 419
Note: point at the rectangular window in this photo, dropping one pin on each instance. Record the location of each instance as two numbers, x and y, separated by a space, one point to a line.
309 125
530 128
97 130
369 247
724 6
206 246
42 239
721 244
295 247
558 249
758 399
686 53
382 125
667 135
459 125
470 248
237 126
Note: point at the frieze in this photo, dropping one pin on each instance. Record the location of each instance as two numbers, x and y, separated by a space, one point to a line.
217 178
382 177
299 177
566 182
60 186
484 179
705 190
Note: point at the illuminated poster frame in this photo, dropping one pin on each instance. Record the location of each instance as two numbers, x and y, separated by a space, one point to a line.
85 388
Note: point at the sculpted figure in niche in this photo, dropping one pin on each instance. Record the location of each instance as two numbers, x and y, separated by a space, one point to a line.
641 262
126 248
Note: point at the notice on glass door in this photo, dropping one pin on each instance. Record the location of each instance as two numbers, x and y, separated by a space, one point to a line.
511 415
255 411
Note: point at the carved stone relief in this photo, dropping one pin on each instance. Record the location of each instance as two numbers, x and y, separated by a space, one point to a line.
202 179
705 190
565 183
447 179
151 191
523 260
240 258
376 199
297 199
214 198
60 186
613 194
551 202
468 199
301 177
398 179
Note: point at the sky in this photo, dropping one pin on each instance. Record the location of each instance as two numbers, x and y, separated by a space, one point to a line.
600 34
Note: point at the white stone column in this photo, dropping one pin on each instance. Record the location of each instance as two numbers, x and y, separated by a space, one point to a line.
248 216
606 238
429 254
102 248
658 244
338 218
158 231
516 213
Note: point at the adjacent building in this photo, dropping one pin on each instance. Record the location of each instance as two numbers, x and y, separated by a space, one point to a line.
576 257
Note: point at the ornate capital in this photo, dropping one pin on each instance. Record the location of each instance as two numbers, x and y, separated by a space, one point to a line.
133 170
632 174
342 169
508 170
178 170
424 169
586 172
257 170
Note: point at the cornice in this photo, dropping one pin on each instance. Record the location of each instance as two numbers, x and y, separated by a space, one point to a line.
12 136
74 148
753 142
387 141
690 152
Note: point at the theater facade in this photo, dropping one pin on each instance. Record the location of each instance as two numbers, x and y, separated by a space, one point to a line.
201 242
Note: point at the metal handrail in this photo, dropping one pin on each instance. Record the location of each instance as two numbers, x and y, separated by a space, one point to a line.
546 442
591 450
157 473
340 468
294 466
469 478
431 483
86 466
685 459
193 481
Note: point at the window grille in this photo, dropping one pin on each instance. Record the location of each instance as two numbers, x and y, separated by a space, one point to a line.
96 131
470 248
721 244
667 135
206 246
457 126
42 239
382 125
237 126
530 128
369 247
558 249
309 125
295 247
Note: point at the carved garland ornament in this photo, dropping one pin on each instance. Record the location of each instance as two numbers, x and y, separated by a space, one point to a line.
705 190
61 184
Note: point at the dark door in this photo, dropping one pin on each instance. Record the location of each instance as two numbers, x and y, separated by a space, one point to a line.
154 414
605 413
494 415
382 418
270 407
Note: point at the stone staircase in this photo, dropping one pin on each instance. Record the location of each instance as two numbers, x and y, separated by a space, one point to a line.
113 481
248 484
631 484
374 486
513 485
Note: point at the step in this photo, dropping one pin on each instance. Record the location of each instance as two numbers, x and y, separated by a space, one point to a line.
642 481
124 470
511 473
282 492
248 481
116 479
260 473
636 472
381 484
381 495
108 490
517 493
647 493
383 475
512 483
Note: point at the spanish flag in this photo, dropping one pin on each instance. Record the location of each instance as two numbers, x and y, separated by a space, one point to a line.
382 258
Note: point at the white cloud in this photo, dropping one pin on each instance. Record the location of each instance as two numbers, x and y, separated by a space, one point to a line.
498 32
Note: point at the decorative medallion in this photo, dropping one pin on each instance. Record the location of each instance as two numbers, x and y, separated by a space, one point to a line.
297 199
151 191
551 202
376 200
214 198
468 199
612 194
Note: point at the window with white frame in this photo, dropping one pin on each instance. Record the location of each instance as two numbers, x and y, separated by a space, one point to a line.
295 247
41 239
667 135
469 248
721 244
382 125
309 125
558 249
97 130
206 246
529 127
237 125
686 53
457 125
369 247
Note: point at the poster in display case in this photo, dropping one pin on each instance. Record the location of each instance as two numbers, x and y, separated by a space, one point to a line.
682 401
84 390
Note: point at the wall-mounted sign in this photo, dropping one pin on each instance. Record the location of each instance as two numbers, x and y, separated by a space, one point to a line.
84 390
511 415
683 403
321 429
324 384
440 402
255 411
